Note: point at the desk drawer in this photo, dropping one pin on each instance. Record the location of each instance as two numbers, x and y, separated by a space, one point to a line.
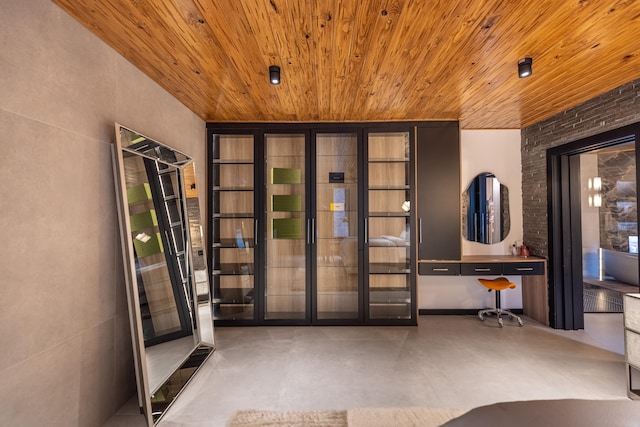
632 312
438 268
632 348
481 269
523 268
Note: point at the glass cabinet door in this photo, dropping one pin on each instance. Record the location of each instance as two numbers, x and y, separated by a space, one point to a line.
287 229
388 239
233 227
336 226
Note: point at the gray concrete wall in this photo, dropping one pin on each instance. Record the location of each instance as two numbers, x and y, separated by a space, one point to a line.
65 350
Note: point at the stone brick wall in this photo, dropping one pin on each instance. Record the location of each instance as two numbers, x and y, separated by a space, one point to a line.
616 108
618 214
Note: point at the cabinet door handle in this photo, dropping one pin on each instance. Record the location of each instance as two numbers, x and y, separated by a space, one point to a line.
308 231
420 230
477 269
440 269
366 230
313 230
169 242
255 232
524 268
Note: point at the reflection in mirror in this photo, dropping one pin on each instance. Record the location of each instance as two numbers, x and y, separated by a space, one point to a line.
199 264
165 269
485 210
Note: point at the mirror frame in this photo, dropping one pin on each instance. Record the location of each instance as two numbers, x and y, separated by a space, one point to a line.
152 406
505 211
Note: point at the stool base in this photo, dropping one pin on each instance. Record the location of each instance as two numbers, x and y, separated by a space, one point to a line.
499 313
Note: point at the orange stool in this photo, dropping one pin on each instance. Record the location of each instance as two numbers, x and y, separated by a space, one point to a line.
497 285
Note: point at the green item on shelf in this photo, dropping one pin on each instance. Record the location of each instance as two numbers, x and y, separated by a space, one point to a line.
287 228
144 220
140 193
146 244
286 176
286 203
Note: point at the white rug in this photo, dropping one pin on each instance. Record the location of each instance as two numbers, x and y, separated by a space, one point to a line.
360 417
252 418
404 417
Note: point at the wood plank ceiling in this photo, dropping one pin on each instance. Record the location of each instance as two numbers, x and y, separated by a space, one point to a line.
374 60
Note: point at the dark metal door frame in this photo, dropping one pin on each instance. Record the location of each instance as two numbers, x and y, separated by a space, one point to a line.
566 309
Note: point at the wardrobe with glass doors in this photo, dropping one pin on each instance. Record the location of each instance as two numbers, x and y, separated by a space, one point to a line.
312 223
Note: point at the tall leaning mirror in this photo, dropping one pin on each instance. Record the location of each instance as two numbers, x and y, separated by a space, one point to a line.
485 210
165 267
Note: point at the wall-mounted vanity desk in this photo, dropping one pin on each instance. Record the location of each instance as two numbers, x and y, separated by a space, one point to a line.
532 269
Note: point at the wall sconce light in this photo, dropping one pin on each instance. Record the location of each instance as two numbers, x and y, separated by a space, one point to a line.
597 200
274 74
595 196
524 67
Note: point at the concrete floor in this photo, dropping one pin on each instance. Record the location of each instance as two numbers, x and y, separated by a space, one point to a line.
447 361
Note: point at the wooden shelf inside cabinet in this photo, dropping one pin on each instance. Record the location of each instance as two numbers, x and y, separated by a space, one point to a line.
389 187
279 187
170 198
233 270
175 224
245 189
390 214
390 296
390 242
397 160
233 243
248 215
232 162
345 183
234 296
389 268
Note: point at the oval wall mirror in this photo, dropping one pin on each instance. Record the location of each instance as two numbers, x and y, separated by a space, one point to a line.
165 268
485 210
